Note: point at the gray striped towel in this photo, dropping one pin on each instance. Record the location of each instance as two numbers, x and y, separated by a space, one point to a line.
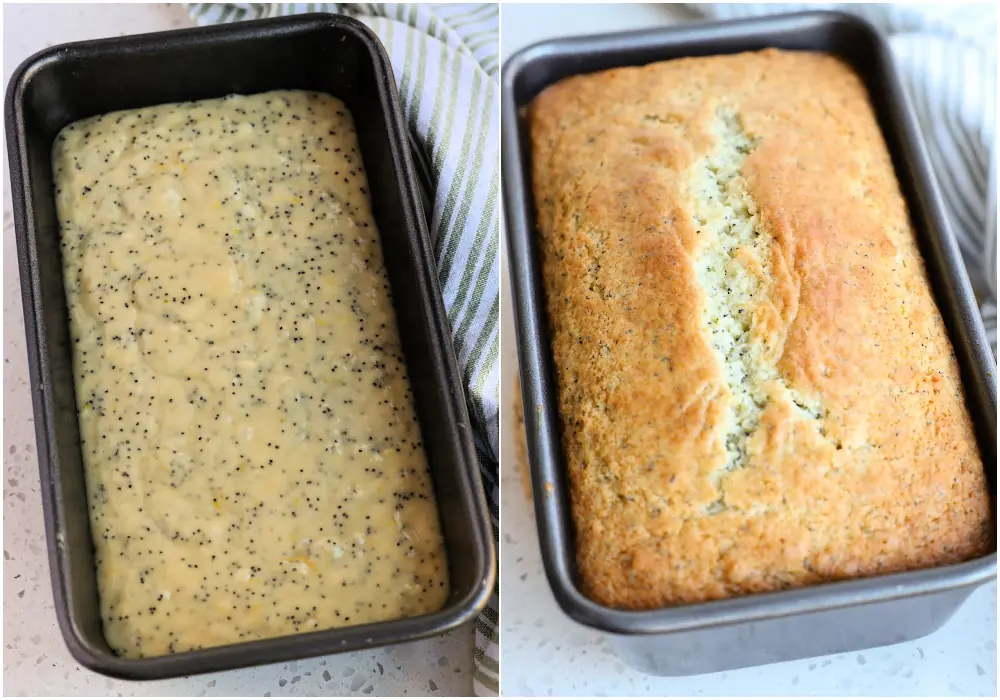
446 62
946 54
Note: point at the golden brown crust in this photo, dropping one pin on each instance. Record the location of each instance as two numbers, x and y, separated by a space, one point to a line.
887 478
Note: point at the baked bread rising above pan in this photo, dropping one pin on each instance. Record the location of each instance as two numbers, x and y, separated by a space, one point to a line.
756 387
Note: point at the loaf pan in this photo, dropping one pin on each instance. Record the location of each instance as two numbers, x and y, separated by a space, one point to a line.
319 52
755 629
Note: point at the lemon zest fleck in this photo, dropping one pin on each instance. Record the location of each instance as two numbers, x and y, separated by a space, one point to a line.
302 559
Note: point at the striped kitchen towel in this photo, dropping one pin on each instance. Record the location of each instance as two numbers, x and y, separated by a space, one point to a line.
446 62
946 54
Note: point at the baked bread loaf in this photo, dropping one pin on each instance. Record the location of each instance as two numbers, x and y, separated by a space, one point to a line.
756 387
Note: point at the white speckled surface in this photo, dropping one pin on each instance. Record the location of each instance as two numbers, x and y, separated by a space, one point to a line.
35 658
545 653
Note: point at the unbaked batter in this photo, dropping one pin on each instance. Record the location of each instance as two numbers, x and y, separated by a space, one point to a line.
254 464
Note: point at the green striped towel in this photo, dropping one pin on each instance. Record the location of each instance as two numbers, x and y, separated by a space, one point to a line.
446 61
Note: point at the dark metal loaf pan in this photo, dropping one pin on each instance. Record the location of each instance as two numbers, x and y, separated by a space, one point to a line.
320 52
756 629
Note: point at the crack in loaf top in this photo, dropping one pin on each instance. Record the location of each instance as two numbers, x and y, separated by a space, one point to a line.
756 387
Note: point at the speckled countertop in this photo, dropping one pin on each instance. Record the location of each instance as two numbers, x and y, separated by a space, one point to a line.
35 658
546 653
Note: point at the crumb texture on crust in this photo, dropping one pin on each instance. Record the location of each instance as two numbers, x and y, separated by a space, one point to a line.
756 387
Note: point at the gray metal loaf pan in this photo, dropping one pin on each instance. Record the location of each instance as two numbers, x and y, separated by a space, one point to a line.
323 52
766 628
